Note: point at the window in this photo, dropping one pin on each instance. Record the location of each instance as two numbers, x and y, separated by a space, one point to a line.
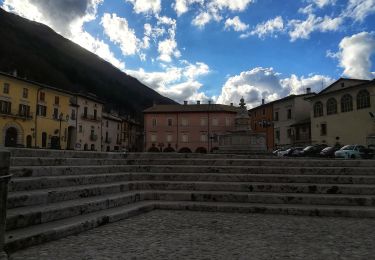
24 110
154 123
80 129
5 107
227 121
203 137
73 115
85 112
203 121
106 123
323 129
153 138
318 109
346 103
42 96
42 110
277 134
185 138
184 121
118 126
331 106
6 88
169 121
276 116
215 122
169 138
289 132
289 113
264 111
57 100
56 113
95 114
25 93
363 99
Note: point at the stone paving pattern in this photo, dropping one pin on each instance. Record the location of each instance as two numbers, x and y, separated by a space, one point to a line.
210 235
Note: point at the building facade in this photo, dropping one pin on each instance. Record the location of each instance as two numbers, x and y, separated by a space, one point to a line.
343 113
32 114
261 121
111 132
186 128
291 120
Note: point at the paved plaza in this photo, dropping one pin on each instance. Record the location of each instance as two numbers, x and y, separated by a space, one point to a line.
211 235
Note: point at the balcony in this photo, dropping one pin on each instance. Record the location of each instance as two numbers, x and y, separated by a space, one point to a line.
90 118
17 116
93 137
108 140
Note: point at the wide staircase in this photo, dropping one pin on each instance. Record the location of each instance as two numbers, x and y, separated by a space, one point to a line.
53 194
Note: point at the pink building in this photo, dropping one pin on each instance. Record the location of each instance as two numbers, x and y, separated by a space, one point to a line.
186 128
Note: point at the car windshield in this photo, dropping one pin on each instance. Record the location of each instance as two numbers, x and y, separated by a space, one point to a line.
307 148
327 149
348 147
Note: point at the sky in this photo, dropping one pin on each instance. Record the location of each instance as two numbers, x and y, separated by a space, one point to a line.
220 50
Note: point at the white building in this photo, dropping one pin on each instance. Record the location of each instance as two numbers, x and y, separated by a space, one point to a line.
111 132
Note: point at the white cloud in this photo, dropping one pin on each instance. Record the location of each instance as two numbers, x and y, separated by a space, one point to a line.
299 29
178 83
355 55
233 5
167 50
265 83
146 6
236 24
182 6
67 18
201 19
118 31
360 9
323 3
269 27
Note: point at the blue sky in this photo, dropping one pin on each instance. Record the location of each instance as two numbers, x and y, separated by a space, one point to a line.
220 49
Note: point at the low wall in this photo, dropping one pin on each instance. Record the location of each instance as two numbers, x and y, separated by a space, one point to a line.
4 179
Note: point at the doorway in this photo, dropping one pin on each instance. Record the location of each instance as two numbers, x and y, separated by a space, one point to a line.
28 141
11 137
44 140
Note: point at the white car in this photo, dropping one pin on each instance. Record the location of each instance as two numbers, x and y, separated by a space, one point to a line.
350 151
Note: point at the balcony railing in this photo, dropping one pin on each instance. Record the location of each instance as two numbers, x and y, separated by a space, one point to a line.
90 117
19 116
93 137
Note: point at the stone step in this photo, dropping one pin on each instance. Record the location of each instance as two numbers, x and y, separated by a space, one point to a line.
35 171
21 238
278 192
34 183
51 161
37 234
34 215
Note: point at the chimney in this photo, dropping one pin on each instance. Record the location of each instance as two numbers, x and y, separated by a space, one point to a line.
231 104
185 102
262 101
198 102
308 90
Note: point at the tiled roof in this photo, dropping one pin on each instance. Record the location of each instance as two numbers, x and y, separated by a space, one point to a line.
191 108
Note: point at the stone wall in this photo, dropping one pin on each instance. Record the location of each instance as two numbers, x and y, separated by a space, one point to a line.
4 179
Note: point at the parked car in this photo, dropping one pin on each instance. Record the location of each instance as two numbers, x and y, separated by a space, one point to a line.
276 151
329 151
282 152
293 151
351 152
313 150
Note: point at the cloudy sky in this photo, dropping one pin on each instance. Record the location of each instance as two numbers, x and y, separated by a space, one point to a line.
220 49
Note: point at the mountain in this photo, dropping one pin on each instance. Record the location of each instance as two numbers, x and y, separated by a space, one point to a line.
40 54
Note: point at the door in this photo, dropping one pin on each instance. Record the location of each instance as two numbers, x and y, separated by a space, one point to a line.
44 140
11 137
71 137
28 141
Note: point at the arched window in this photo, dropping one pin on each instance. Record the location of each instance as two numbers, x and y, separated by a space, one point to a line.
331 106
346 103
318 109
363 99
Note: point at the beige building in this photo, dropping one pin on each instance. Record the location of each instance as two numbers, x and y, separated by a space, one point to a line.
111 132
291 120
343 113
88 114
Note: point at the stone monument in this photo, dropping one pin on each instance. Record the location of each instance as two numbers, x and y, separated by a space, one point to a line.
242 140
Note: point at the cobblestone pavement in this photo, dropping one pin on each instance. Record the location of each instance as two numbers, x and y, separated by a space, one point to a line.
205 235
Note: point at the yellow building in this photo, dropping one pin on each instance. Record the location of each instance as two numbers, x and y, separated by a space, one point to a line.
343 113
32 114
